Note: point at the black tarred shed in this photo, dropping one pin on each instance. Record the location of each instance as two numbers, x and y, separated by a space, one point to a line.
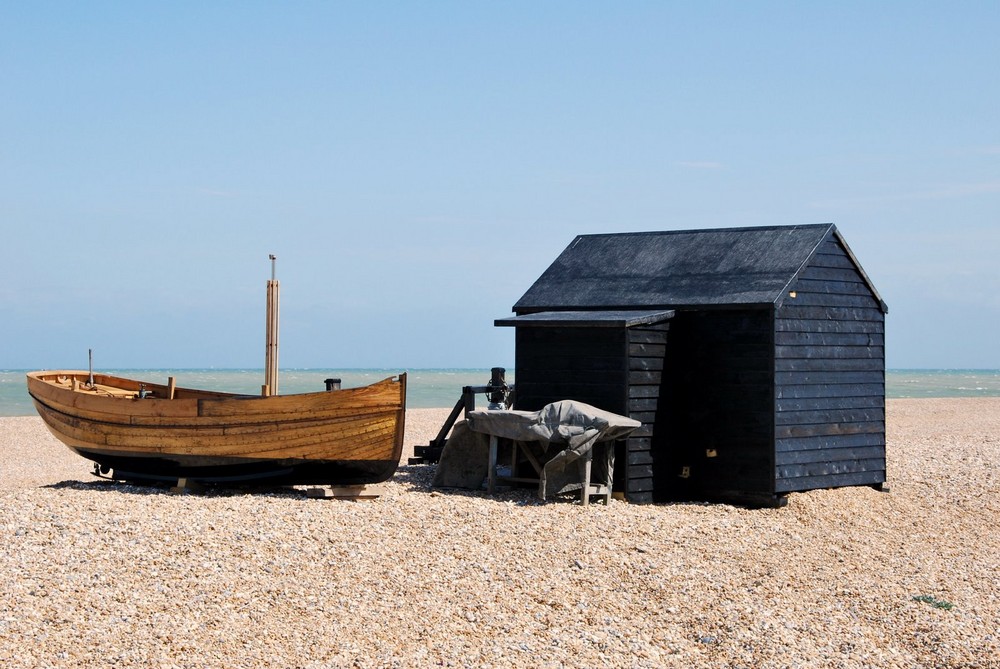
754 358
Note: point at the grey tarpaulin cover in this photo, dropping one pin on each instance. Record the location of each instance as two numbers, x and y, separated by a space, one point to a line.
573 425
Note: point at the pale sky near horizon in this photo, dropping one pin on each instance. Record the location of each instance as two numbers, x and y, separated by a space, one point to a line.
416 166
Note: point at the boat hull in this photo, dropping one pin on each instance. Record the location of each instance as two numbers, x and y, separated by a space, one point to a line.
235 471
339 437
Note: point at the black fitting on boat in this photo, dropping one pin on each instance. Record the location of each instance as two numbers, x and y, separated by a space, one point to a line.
332 384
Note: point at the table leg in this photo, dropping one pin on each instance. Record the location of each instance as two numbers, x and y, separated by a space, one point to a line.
491 472
585 490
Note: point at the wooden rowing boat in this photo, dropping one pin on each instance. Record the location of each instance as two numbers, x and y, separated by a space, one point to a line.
145 431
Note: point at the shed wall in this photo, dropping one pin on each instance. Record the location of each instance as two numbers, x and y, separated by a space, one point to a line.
647 346
616 369
559 363
829 378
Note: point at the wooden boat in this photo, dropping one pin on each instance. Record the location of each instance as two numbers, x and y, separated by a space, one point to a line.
142 431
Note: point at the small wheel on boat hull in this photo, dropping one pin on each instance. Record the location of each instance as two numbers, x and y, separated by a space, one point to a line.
101 470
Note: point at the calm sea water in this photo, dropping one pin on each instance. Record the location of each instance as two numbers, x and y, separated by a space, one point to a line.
441 388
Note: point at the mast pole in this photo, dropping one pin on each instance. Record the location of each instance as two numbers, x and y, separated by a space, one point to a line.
271 339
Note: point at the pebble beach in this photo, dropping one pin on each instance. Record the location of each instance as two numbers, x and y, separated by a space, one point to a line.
102 574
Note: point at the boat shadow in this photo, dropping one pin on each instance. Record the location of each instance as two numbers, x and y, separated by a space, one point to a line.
145 489
418 479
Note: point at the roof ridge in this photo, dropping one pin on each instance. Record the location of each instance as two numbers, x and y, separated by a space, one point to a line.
748 228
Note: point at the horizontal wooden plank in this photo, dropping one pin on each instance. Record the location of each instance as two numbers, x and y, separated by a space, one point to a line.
830 352
643 404
645 430
833 300
639 485
639 458
786 323
819 389
831 455
650 337
639 391
819 338
852 286
831 273
637 497
829 365
810 378
638 443
640 471
644 378
645 364
647 417
817 403
796 470
647 350
829 468
801 483
800 311
830 441
837 259
840 416
794 431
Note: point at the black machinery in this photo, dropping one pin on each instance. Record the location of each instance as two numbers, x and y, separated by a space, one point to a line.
499 395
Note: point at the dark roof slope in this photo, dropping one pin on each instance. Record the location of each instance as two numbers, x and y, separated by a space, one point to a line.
743 266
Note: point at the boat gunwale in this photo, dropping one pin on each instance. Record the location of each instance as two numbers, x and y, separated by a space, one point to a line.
211 413
200 392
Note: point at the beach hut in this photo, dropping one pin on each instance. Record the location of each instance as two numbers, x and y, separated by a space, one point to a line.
754 358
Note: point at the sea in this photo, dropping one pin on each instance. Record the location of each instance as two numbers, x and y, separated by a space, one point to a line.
442 388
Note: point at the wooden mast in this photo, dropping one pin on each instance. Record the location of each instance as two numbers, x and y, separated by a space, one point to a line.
271 346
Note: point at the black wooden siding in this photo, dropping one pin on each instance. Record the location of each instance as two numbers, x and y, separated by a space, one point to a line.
616 369
716 408
647 347
571 363
829 372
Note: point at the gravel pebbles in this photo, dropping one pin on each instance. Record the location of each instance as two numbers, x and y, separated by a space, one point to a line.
100 574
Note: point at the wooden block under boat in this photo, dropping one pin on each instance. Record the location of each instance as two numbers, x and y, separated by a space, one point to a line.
185 486
351 492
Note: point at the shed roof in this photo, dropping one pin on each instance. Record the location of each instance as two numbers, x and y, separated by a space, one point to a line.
682 268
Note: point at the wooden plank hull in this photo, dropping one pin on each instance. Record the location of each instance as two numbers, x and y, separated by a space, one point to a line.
340 437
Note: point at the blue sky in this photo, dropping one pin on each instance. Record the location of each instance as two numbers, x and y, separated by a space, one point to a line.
415 166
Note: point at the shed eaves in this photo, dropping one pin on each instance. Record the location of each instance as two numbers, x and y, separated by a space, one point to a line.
590 318
741 266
